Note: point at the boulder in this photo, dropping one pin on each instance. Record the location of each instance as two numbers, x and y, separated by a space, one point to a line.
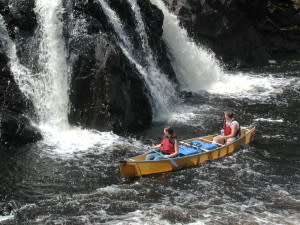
107 92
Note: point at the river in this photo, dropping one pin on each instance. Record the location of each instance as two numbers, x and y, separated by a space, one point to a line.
259 184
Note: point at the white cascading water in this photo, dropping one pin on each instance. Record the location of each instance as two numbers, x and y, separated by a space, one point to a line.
22 75
52 101
197 68
161 89
48 90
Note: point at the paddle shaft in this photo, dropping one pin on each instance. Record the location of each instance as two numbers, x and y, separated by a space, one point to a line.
171 160
208 141
194 146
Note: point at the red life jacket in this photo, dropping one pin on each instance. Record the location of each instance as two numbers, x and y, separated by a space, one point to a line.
227 129
166 146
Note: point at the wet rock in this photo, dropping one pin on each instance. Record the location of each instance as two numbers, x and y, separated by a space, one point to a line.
107 91
15 128
154 28
21 22
22 13
241 33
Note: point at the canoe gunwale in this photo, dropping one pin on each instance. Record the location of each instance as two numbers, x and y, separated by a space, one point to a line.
137 166
248 130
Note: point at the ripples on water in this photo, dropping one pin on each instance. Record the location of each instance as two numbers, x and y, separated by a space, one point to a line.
259 184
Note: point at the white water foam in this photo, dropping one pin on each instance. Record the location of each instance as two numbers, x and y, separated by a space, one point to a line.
256 87
67 141
138 217
5 218
270 120
191 115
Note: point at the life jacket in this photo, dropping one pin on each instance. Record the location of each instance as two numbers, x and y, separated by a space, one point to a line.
166 146
227 128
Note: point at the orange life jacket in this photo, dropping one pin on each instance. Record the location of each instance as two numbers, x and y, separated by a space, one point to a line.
166 146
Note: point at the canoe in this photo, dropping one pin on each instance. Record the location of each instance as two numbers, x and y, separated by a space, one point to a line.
138 166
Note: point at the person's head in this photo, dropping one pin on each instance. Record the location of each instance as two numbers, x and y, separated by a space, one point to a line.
228 115
169 131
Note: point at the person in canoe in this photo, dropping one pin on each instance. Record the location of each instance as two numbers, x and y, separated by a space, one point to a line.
231 130
167 148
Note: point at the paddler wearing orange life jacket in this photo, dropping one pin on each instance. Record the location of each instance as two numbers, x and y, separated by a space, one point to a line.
167 148
231 130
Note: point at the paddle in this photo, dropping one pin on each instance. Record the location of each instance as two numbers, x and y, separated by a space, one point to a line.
209 141
170 159
194 146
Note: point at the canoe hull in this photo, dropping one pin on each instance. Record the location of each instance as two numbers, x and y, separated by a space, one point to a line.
137 166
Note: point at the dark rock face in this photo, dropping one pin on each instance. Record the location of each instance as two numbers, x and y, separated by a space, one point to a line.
22 13
21 22
15 128
153 24
241 33
107 91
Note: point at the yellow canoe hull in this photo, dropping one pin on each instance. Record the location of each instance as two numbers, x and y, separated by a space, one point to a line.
138 166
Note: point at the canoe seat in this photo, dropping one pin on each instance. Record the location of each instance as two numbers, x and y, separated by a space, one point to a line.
204 145
186 150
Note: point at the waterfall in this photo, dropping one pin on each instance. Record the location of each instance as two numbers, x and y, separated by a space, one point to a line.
20 72
52 101
196 68
162 91
48 88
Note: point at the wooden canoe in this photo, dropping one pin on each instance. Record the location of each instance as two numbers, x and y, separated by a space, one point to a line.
138 166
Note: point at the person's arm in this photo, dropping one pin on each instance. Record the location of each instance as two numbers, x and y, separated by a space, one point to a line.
234 129
155 146
176 150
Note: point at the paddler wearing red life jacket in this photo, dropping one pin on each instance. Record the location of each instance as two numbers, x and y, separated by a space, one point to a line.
231 130
167 148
